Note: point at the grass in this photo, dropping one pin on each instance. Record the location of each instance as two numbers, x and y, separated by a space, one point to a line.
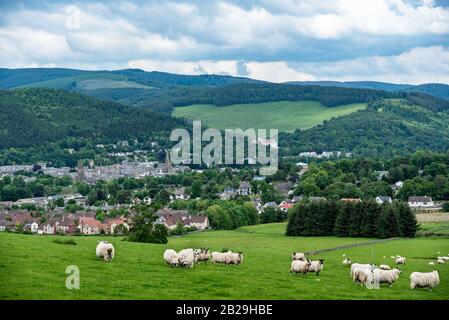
283 115
33 267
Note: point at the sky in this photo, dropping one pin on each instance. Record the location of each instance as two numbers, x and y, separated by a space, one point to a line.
400 41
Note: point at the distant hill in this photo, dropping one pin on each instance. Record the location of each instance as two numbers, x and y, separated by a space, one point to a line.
435 89
32 117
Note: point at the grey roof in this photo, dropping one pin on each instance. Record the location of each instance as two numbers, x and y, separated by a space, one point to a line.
420 199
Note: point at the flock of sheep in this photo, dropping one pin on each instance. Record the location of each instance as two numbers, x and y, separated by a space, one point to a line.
365 274
188 257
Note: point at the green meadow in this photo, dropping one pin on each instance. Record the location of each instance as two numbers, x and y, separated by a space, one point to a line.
283 115
33 267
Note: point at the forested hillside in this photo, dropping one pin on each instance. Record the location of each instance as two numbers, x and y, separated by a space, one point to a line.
387 128
31 117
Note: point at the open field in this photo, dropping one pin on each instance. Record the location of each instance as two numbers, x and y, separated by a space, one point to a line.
33 267
282 115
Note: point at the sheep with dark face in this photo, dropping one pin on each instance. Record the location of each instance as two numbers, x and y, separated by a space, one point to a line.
171 257
316 266
105 250
298 256
203 255
299 266
347 262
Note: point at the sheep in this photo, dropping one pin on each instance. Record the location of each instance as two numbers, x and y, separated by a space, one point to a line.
440 261
105 250
218 257
298 256
384 267
359 265
316 266
347 262
444 258
234 257
171 257
393 257
203 255
388 276
431 263
362 275
186 258
299 266
424 280
400 260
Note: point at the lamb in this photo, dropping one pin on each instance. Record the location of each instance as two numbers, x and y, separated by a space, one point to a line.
316 266
362 275
299 266
105 250
298 256
388 276
384 267
186 258
424 280
347 262
171 257
400 260
359 265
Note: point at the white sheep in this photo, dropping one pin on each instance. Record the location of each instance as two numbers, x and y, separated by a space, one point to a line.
364 276
234 257
360 265
440 261
171 257
218 257
347 262
186 258
444 258
386 276
105 250
384 267
424 280
203 255
298 256
400 260
299 266
431 263
316 266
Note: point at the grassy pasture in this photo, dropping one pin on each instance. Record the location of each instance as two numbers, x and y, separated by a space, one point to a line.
33 267
283 115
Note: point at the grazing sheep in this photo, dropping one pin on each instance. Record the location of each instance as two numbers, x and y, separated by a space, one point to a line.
431 263
105 250
384 267
360 265
234 257
186 258
400 260
316 266
440 261
218 257
393 257
171 257
347 262
299 266
343 255
364 276
424 280
203 255
386 276
298 256
444 258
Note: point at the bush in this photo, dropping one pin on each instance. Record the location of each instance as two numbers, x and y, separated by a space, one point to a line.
62 241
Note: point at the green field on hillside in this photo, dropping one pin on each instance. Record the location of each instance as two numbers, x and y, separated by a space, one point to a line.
282 115
33 267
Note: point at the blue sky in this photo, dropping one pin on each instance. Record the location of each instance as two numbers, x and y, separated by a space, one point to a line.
402 41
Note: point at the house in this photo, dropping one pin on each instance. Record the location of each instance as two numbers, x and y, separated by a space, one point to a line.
172 218
284 188
285 205
227 193
32 226
89 225
316 199
244 189
351 200
271 204
420 202
180 194
383 199
296 199
113 223
66 225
